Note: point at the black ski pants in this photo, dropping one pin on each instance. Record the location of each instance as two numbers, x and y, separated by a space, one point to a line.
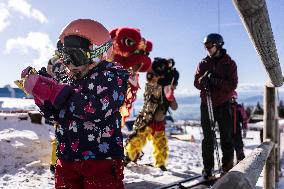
223 116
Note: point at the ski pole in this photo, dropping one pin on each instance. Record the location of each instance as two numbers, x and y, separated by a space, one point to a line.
212 125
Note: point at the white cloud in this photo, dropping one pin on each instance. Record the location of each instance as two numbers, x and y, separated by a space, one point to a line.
4 15
39 42
26 9
183 91
38 15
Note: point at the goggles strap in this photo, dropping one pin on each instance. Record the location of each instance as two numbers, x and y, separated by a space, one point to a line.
98 50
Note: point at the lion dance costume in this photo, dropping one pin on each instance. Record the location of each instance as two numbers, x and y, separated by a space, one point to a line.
131 50
150 122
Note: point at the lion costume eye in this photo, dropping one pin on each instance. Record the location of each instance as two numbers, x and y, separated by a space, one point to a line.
129 42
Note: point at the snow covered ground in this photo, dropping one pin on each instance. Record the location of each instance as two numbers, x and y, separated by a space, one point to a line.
9 104
25 152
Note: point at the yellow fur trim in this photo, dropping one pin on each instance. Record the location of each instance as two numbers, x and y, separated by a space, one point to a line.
53 152
160 146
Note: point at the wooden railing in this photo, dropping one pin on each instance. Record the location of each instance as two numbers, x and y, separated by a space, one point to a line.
246 173
255 17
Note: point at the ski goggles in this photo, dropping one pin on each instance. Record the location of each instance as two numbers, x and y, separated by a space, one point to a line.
209 45
79 56
75 56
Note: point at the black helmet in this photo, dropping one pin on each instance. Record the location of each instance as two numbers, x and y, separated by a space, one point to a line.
214 38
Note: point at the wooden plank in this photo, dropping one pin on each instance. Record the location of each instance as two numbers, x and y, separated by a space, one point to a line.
254 15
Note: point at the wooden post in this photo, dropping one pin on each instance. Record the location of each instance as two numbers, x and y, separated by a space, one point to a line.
277 151
269 133
277 141
255 17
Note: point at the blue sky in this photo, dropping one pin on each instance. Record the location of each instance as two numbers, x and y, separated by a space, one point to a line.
29 30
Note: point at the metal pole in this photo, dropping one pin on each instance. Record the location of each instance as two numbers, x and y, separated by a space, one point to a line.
213 125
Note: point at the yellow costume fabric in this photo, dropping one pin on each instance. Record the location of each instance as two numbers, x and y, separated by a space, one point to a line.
159 142
53 152
143 131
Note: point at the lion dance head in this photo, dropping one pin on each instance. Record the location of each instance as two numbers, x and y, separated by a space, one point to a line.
132 51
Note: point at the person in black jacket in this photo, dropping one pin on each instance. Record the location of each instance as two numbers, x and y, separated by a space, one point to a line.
217 73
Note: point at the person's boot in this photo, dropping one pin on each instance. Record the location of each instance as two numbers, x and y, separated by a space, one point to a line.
52 168
163 168
229 165
207 174
223 173
240 155
126 160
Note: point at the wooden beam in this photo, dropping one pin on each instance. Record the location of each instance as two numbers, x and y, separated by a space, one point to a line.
255 18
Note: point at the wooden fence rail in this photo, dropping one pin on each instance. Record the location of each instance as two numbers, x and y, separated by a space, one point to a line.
246 173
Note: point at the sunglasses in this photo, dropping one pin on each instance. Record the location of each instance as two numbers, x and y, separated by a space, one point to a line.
209 45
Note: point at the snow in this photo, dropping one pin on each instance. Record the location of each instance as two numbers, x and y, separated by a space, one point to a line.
8 104
25 154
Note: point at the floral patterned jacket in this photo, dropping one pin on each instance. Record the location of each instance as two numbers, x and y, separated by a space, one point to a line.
89 119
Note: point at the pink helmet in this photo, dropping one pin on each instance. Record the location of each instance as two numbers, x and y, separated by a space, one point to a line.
92 30
234 94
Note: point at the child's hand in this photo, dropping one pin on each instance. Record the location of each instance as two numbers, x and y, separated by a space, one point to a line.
26 71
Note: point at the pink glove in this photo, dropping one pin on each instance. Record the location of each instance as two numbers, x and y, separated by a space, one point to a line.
133 80
30 82
169 93
44 88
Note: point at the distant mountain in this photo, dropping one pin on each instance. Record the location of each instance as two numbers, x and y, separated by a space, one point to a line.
247 98
189 105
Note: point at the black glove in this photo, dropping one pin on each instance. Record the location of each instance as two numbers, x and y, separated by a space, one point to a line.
204 80
213 80
43 72
209 79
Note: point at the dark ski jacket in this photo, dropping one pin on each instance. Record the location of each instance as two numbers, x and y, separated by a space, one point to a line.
89 118
225 69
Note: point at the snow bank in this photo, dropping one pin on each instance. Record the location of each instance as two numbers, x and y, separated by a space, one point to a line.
24 151
10 104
